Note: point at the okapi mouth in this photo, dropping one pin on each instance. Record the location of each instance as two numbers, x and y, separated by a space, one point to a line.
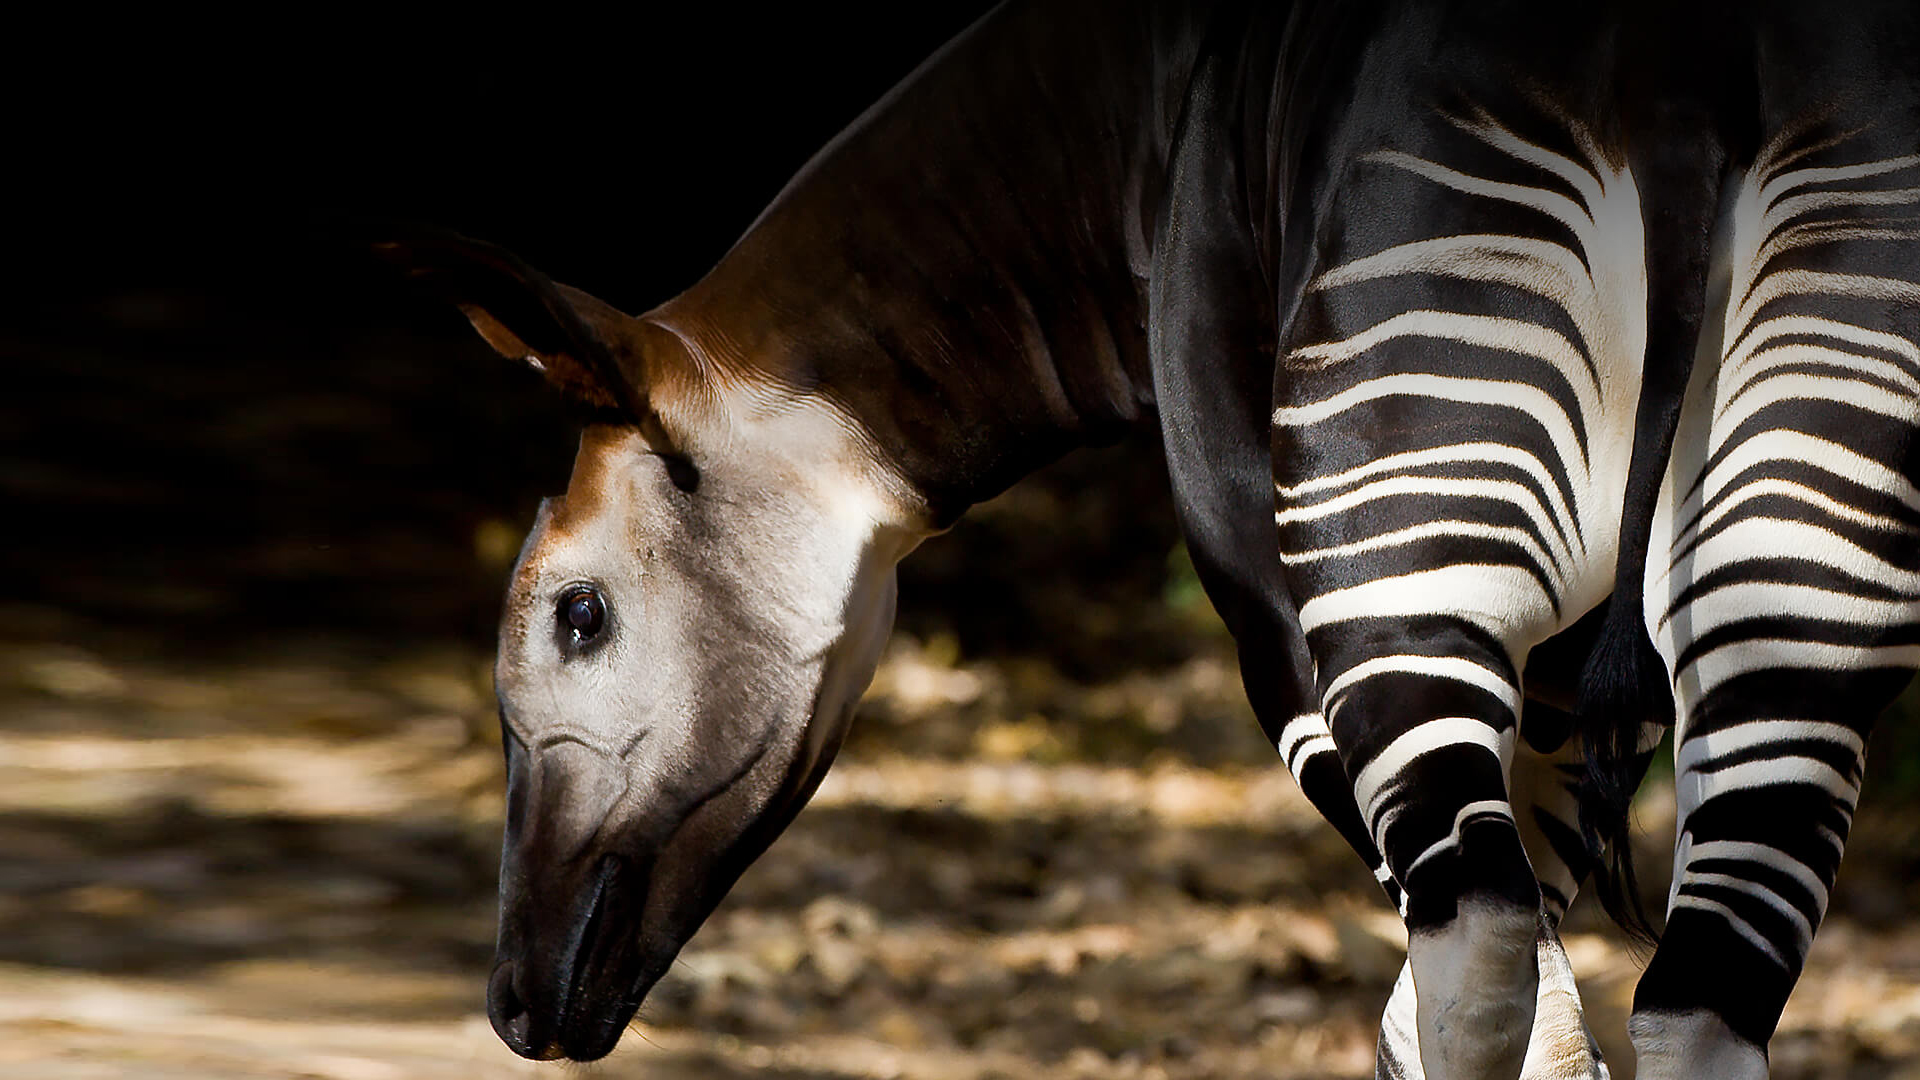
598 982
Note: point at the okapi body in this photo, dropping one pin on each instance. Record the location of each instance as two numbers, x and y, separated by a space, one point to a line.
1531 379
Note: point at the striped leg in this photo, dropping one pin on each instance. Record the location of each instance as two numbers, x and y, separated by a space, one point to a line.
1547 772
1476 963
1559 1047
1450 442
1307 747
1786 600
1427 739
1546 769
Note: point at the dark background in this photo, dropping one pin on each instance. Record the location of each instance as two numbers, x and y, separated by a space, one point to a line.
221 422
225 420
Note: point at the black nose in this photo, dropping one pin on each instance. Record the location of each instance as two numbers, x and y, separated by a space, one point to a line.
514 1023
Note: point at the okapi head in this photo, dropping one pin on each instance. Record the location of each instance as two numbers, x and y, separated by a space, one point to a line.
684 638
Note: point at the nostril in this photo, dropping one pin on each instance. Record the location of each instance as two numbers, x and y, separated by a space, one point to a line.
512 1021
502 1002
504 1007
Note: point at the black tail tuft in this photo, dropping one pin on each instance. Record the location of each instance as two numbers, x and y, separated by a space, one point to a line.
1623 686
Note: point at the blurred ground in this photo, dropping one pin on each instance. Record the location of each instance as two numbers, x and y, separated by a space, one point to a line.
272 855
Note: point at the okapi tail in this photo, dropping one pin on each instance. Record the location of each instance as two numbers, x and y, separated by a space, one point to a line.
1680 168
1624 678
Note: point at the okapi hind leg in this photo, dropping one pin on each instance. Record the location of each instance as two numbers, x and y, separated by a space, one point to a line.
1426 740
1547 766
1454 405
1784 593
1767 774
1559 1046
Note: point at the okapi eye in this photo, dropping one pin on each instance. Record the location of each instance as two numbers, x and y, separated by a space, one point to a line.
583 612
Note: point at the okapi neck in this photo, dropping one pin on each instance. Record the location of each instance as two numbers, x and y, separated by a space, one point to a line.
961 270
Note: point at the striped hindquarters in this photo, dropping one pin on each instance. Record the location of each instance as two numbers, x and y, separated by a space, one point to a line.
1454 426
1784 591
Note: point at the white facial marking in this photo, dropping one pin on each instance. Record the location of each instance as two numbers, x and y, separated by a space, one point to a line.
744 618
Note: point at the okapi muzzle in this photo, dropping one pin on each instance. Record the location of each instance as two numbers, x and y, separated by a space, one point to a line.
602 884
560 986
684 637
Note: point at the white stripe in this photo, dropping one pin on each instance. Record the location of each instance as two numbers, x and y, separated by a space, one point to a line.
1698 750
1440 667
1786 445
1438 530
1375 780
1738 658
1791 284
1740 926
1778 218
1581 178
1486 331
1742 601
1800 493
1780 356
1807 234
1505 601
1542 267
1770 857
1808 325
1452 839
1803 930
1511 492
1308 750
1821 389
1552 203
1302 727
1490 453
1521 397
1779 183
1695 789
1757 538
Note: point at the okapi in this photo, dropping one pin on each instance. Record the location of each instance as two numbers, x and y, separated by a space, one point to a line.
1491 339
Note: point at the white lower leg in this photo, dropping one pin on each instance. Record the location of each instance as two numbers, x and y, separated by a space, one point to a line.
1682 1046
1561 1047
1398 1056
1476 980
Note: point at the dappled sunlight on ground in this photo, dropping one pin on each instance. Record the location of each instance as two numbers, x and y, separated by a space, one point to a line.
278 863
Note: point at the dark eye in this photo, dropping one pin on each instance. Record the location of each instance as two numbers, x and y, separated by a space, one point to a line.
583 612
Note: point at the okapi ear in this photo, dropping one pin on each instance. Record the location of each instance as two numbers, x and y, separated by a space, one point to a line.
522 313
